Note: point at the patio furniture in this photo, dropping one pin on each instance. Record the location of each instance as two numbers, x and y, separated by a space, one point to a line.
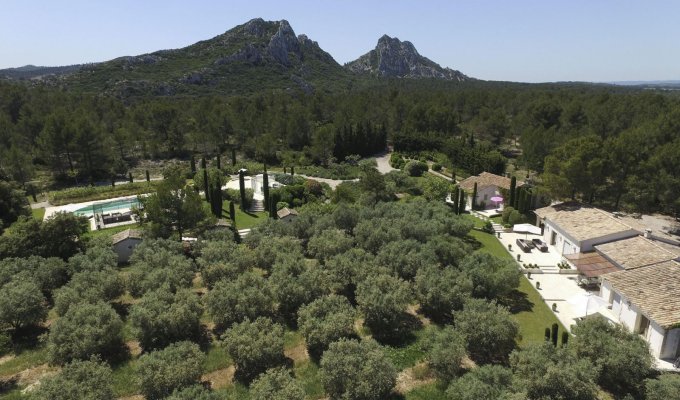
539 244
525 245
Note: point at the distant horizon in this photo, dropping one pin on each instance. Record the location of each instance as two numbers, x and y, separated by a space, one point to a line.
524 41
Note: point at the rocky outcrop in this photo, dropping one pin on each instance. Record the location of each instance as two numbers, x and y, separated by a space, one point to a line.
394 58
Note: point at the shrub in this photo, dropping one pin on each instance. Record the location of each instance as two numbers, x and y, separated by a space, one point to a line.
488 227
196 392
485 382
415 168
163 371
436 167
505 215
665 387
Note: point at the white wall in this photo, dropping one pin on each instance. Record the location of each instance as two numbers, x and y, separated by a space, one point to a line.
564 244
488 192
125 248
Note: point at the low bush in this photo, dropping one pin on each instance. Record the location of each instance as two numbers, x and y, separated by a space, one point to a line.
415 168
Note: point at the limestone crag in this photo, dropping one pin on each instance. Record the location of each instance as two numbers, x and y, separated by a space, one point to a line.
394 58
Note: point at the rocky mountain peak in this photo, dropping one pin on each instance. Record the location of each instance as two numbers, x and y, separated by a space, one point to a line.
395 58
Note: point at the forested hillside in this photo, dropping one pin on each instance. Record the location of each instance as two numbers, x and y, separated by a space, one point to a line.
613 147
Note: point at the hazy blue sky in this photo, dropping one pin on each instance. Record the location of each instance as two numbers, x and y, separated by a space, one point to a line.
517 40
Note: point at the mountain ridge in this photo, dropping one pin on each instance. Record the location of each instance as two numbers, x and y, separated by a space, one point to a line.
258 55
399 59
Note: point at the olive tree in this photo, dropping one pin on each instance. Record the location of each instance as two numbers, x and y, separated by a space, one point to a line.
489 329
196 392
622 358
329 243
86 380
382 300
666 386
85 330
294 284
255 346
324 321
545 372
484 382
164 268
162 371
276 384
492 277
161 318
357 370
445 354
22 304
440 291
249 296
48 273
89 287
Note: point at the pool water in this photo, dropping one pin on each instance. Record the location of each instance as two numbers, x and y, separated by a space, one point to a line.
108 206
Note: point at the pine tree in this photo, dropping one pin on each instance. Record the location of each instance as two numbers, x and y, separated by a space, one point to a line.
513 186
265 187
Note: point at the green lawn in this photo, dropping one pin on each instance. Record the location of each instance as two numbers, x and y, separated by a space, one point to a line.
529 310
244 219
108 231
38 213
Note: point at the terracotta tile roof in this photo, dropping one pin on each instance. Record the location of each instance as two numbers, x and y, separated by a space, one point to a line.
583 222
126 234
654 289
487 179
635 252
591 264
285 211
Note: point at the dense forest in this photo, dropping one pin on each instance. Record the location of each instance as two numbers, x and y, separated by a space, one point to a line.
616 148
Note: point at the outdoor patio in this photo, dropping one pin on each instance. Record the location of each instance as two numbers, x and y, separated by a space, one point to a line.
545 260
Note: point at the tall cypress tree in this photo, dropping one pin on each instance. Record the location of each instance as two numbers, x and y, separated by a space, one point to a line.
292 170
242 189
206 186
474 196
233 156
203 162
461 202
219 161
113 180
232 214
130 176
513 186
265 187
521 200
193 165
456 198
148 178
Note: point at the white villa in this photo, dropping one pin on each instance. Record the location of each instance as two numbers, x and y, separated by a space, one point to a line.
639 276
573 228
646 300
488 185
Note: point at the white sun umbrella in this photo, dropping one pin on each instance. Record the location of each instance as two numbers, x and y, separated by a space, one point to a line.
526 228
586 304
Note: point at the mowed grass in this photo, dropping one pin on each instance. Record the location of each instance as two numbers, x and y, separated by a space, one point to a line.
38 213
108 232
244 219
532 314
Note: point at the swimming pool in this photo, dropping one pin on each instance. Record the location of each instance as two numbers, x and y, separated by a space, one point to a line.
109 206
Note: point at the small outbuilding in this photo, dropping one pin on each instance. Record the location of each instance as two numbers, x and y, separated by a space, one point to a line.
287 214
124 243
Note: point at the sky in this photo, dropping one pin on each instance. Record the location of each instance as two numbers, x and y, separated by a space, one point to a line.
511 40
